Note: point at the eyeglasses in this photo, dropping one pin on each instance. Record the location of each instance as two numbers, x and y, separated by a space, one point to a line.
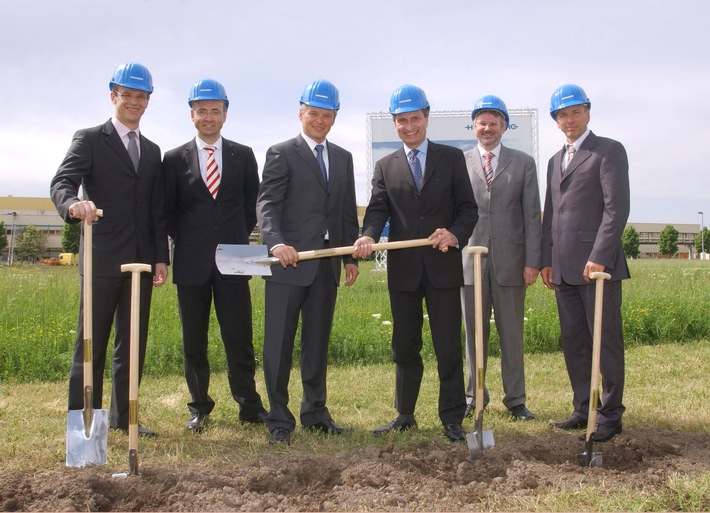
203 113
139 97
484 124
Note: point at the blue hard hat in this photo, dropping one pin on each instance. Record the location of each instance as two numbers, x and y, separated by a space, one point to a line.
408 98
490 102
568 95
322 94
208 89
133 76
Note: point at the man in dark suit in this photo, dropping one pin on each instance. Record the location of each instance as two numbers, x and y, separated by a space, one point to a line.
504 183
586 208
306 201
211 185
424 191
118 170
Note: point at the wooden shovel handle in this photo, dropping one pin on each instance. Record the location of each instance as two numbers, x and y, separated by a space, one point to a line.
477 251
600 277
88 311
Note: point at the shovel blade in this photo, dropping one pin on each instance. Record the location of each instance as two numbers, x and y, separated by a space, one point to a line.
238 259
590 459
85 450
478 441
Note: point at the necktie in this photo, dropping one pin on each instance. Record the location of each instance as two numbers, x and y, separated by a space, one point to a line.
321 162
213 176
488 169
133 149
570 155
416 168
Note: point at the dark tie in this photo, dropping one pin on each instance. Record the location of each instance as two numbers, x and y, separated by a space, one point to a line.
416 168
488 169
133 149
570 155
321 162
213 177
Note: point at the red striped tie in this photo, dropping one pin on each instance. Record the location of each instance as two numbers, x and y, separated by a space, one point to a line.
213 176
488 169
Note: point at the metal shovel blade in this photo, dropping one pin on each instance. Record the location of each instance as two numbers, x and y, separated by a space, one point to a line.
243 259
83 450
478 441
589 458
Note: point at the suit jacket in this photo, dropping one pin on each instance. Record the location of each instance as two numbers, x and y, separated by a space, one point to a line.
586 211
196 222
509 216
296 208
445 201
133 222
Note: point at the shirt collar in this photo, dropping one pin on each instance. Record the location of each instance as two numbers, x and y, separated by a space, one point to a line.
202 144
122 129
495 151
422 148
311 143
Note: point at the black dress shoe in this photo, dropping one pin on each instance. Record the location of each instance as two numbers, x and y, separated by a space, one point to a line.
454 432
574 422
197 422
328 427
280 436
520 412
142 431
146 433
401 423
259 418
604 433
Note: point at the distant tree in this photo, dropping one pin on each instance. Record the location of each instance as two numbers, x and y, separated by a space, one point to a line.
3 236
70 237
668 241
630 242
698 240
30 244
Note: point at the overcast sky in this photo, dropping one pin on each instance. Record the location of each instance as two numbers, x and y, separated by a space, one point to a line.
645 65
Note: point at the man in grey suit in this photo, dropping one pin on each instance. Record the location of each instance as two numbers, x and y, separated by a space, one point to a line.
211 184
306 201
423 189
505 185
118 170
586 207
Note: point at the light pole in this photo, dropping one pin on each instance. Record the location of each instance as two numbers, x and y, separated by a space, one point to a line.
702 237
11 249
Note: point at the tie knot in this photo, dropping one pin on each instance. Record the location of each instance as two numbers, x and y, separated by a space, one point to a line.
488 156
413 153
210 149
319 148
131 135
571 149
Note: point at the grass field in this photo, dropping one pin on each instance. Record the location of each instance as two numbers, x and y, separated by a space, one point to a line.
664 301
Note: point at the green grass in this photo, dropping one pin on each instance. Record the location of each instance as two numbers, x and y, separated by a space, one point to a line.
33 417
664 300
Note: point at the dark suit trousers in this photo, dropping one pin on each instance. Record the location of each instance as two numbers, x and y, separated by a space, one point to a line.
112 305
444 309
232 301
575 304
316 305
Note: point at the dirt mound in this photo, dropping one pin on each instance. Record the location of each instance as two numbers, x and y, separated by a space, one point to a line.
428 477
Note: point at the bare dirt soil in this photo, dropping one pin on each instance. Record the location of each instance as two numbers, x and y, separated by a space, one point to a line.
429 477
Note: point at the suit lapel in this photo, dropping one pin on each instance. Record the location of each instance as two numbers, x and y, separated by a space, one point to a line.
193 166
504 161
305 152
115 143
582 154
432 160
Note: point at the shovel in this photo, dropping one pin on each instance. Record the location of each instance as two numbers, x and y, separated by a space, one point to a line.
255 260
479 439
588 458
87 429
136 270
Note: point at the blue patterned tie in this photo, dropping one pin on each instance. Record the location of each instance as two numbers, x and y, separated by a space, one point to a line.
133 149
321 162
416 168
